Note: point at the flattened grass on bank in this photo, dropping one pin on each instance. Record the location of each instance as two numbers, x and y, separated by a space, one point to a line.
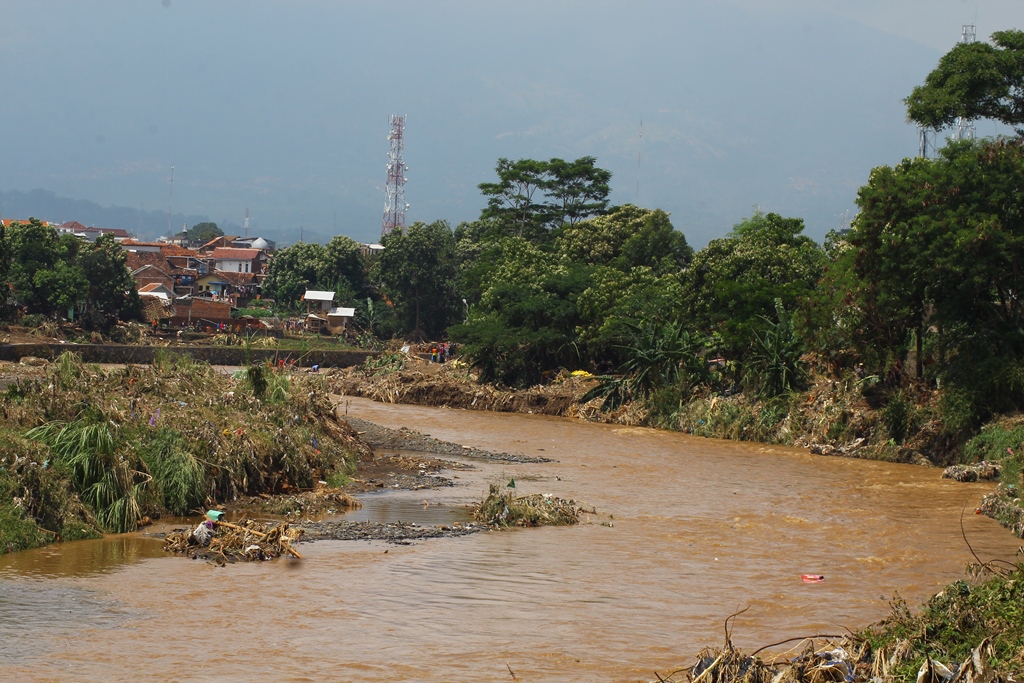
87 450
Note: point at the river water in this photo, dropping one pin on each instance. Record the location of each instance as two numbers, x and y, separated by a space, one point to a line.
689 531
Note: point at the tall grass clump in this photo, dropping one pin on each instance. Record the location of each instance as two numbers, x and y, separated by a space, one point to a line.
110 485
179 479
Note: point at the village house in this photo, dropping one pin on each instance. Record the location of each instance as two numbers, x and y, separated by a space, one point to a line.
157 262
6 222
237 288
91 234
232 260
322 315
201 313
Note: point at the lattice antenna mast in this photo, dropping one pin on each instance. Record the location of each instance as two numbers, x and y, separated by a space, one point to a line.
245 224
394 204
964 128
925 141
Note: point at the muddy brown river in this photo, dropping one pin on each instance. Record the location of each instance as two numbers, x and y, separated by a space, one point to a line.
690 531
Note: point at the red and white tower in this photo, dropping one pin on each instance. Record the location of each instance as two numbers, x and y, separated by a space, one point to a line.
394 205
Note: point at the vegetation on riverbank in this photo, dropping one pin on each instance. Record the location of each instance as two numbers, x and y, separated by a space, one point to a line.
970 632
950 625
88 450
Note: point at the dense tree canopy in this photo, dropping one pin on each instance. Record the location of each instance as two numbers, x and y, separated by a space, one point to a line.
733 283
417 274
335 267
201 233
624 238
60 274
974 80
938 248
541 306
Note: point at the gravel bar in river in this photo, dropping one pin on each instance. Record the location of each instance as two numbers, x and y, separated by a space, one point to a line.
408 440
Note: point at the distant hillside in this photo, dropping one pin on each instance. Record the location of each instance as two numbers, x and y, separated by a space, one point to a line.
47 206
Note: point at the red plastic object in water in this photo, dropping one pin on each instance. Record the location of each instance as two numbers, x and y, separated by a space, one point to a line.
813 578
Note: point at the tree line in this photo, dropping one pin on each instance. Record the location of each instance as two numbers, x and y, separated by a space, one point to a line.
924 288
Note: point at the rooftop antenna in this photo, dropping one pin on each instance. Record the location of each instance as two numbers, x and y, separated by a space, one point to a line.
394 192
245 223
639 150
170 204
964 128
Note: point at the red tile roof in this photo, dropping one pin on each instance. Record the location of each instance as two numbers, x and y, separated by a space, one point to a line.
226 239
232 254
138 259
175 250
7 221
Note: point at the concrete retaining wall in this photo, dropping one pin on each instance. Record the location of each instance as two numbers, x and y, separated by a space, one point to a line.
214 355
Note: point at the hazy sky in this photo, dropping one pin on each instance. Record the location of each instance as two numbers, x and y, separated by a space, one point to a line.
282 107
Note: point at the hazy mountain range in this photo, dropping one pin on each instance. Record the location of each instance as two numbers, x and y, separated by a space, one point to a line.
283 108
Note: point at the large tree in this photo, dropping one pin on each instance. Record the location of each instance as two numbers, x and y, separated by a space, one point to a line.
533 197
974 80
417 273
112 293
939 245
525 322
201 233
733 283
43 274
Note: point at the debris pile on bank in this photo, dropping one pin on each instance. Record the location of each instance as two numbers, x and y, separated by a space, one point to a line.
984 471
248 540
501 508
450 384
1003 505
844 661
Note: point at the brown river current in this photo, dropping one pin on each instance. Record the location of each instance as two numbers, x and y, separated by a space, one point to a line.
699 529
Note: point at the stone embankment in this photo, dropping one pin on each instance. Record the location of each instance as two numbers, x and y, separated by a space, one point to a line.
214 355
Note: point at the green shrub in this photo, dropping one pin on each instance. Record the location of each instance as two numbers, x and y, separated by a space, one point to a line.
899 415
1001 443
37 504
33 320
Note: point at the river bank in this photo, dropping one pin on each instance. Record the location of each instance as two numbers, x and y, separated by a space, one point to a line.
835 416
699 528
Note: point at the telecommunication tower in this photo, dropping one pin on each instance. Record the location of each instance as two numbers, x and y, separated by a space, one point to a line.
964 128
925 141
394 204
245 224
